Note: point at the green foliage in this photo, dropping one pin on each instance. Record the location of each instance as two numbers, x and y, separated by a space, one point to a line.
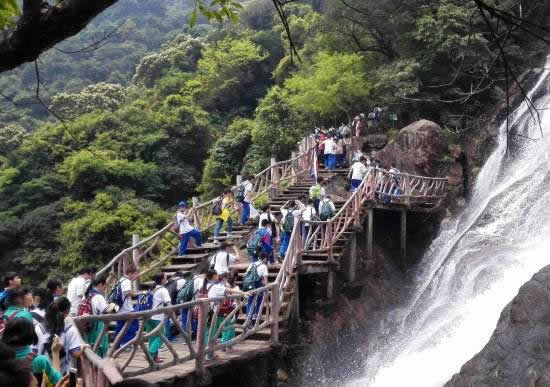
101 228
9 9
335 84
227 75
226 157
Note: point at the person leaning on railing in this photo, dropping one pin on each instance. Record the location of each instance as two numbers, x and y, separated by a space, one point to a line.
95 296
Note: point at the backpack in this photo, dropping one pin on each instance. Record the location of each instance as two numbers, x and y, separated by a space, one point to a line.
217 208
176 225
85 309
239 197
254 246
251 278
288 224
172 287
315 192
226 307
203 293
116 296
187 292
145 300
213 263
326 211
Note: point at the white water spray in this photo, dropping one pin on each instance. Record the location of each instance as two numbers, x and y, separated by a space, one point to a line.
476 265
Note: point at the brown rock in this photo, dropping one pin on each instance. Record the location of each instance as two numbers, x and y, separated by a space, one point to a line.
418 149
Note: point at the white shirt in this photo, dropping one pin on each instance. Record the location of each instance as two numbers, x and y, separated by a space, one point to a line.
126 286
183 221
265 215
69 338
330 203
330 147
220 261
99 304
309 213
261 268
75 293
358 171
247 190
161 298
197 285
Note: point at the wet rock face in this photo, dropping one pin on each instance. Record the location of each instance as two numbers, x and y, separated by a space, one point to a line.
417 149
518 353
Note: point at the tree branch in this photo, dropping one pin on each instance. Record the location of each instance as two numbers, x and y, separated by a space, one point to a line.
42 26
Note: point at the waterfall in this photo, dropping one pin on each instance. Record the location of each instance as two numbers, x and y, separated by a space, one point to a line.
477 263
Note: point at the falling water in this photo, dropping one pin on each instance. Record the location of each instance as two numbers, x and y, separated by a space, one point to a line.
476 265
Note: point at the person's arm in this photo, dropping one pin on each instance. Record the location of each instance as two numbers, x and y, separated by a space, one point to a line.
333 207
56 349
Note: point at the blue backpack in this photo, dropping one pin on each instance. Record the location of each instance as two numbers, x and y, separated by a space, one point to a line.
145 301
116 296
3 300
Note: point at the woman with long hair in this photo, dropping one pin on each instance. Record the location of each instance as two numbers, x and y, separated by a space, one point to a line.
56 324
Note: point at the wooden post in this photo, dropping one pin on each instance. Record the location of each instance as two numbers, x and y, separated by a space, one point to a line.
294 170
135 260
201 345
330 283
297 298
357 211
403 238
196 219
370 230
275 308
239 179
274 177
352 261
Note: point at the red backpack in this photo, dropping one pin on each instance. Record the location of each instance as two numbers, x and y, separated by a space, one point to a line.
85 309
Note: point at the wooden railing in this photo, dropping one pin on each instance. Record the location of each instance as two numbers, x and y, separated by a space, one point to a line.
377 185
207 339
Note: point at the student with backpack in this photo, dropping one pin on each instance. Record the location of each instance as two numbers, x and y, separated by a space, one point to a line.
187 293
261 242
244 196
77 287
265 213
174 285
121 295
327 209
95 304
317 192
290 216
309 214
56 323
21 335
330 153
255 277
159 298
11 281
227 307
222 260
226 206
186 231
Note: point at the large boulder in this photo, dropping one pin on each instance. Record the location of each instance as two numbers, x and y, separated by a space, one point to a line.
418 149
518 353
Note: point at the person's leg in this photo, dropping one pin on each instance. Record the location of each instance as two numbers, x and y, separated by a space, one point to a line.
245 214
218 228
155 342
183 243
285 238
196 235
316 204
257 310
229 227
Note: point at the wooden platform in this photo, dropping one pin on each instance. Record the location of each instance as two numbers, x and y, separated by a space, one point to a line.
245 350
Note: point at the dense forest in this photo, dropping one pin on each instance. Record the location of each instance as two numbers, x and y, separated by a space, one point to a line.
157 111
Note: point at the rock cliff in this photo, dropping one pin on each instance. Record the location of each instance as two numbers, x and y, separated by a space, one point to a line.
518 353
